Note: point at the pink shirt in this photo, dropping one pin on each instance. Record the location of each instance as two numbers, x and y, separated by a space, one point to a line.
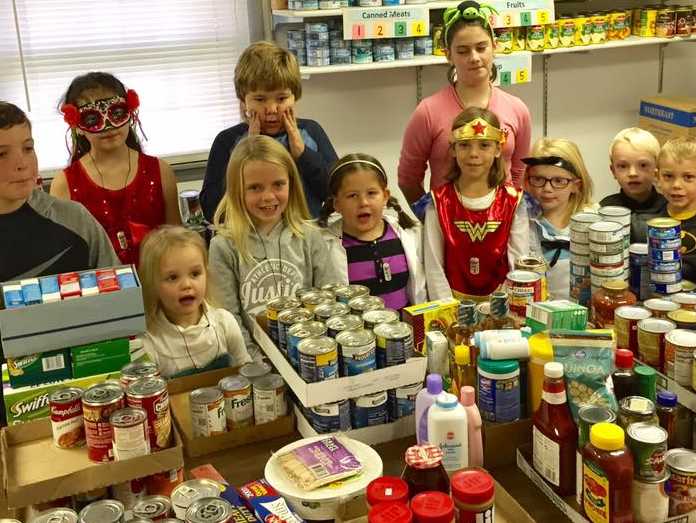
426 140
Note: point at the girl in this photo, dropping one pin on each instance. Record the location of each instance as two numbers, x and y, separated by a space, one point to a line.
368 245
558 185
128 192
472 234
265 247
185 332
469 46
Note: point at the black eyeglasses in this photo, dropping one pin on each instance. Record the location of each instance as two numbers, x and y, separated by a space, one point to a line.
557 182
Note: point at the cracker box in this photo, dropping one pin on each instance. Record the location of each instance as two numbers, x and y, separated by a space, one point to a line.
432 315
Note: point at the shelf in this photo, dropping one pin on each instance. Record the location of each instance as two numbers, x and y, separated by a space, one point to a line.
631 41
685 397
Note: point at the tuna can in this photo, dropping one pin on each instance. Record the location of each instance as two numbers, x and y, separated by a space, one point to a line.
67 422
580 270
598 259
579 236
581 221
269 399
273 307
649 500
239 410
192 490
312 299
210 510
639 277
660 308
337 324
207 406
648 444
626 320
684 319
608 271
361 51
401 402
404 49
345 293
605 232
324 311
681 486
286 319
151 395
130 437
394 343
607 248
686 300
523 288
651 341
423 46
103 511
369 410
99 402
665 266
680 345
361 305
383 51
580 249
136 370
331 417
54 515
664 289
616 214
318 359
299 332
153 508
375 317
665 277
664 229
304 290
659 246
589 415
357 349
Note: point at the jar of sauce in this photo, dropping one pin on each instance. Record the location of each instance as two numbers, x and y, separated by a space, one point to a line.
636 409
432 507
473 491
605 301
387 489
424 470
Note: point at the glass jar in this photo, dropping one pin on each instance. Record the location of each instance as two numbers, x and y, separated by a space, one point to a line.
605 301
636 409
424 470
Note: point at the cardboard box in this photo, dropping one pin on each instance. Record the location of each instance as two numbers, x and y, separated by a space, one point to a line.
432 315
179 390
36 369
313 394
68 323
36 471
668 117
100 357
501 440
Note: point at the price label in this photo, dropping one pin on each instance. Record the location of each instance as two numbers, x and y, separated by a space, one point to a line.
522 76
507 20
543 17
419 28
525 18
386 22
358 32
379 31
400 29
505 78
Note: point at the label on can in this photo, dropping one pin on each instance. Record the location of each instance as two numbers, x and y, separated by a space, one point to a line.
318 359
130 434
358 352
401 402
369 410
651 341
239 409
98 404
67 420
331 417
207 412
648 444
270 402
151 395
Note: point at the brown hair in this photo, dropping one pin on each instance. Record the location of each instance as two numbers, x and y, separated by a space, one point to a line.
448 37
267 67
11 115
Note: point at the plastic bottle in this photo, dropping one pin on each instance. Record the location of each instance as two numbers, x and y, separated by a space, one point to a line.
504 349
646 382
474 423
623 378
463 370
424 399
540 353
448 429
667 414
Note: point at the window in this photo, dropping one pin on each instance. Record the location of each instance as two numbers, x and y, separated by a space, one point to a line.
179 55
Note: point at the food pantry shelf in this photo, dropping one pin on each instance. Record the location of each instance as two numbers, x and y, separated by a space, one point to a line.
631 41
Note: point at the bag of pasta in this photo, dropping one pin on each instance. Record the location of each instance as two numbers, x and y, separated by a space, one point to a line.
587 359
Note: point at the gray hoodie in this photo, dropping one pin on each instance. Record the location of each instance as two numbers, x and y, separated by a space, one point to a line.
282 264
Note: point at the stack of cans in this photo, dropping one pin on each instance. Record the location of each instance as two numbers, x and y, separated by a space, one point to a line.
340 48
423 46
299 5
580 281
361 51
664 259
404 49
318 48
383 50
297 45
606 254
622 216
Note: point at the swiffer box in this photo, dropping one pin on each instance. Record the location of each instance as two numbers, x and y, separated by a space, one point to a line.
668 117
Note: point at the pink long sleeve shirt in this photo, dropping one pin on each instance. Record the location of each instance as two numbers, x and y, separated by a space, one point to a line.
426 140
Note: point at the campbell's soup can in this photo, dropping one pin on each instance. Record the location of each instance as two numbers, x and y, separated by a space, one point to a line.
626 320
99 402
207 412
129 428
67 421
136 370
151 395
152 508
523 288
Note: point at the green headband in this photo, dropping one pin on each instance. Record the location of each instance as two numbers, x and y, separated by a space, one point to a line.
470 12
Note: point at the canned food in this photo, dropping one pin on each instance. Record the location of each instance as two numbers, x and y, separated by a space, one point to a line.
394 343
287 319
686 300
129 493
552 35
99 402
151 395
372 318
580 270
665 278
580 249
152 508
401 402
304 290
299 332
102 511
579 237
567 28
136 370
311 299
207 406
369 410
660 308
607 248
599 260
523 288
519 38
664 229
189 491
239 410
664 289
337 324
651 341
357 350
665 23
583 29
209 510
269 399
273 307
617 25
680 345
608 271
163 483
599 28
331 417
130 437
318 359
648 21
324 311
615 213
682 482
626 320
605 232
54 515
345 293
658 256
648 444
665 266
503 40
649 500
636 409
639 276
685 319
581 221
67 422
535 38
361 305
657 245
684 21
254 370
589 415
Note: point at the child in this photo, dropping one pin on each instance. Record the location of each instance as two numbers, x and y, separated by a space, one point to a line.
633 162
265 247
268 84
472 233
185 332
127 191
558 185
677 181
369 244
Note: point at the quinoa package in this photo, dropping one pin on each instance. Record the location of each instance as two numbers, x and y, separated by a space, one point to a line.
587 359
319 463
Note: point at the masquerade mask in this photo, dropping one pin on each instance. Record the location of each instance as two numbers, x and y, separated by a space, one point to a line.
108 113
478 129
470 12
555 161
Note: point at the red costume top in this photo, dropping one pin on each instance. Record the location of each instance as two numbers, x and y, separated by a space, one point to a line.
475 241
127 214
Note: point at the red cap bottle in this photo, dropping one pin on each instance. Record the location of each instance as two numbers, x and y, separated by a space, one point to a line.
390 513
432 507
473 491
387 489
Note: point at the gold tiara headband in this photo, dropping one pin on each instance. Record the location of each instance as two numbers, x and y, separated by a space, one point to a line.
478 129
365 162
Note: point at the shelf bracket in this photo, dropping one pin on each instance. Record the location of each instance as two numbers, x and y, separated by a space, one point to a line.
419 84
545 95
661 67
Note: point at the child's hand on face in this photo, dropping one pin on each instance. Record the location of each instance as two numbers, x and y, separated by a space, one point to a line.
295 141
254 123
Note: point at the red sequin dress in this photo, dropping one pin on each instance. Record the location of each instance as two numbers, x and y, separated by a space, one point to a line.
127 214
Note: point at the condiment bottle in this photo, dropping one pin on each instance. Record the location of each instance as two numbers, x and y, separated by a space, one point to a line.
623 378
667 414
463 370
424 470
612 295
432 507
386 489
390 512
554 435
540 353
473 491
474 423
588 416
447 428
607 475
424 400
646 381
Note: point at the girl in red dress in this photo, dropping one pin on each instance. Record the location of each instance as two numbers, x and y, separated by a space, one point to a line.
127 191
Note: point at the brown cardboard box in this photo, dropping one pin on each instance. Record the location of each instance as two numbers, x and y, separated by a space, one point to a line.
668 117
36 471
193 447
501 441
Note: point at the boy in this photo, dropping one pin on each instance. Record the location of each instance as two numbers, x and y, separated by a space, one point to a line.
677 181
267 82
633 162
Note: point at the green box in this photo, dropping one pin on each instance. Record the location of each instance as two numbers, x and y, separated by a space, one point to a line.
556 314
100 358
39 368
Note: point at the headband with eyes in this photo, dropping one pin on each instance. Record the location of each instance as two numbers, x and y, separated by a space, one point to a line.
469 11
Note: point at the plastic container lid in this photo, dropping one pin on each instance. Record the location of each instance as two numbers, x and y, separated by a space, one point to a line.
499 366
623 359
666 398
445 400
433 383
540 347
553 369
462 355
468 395
638 248
645 372
387 488
423 456
607 436
472 487
615 285
432 507
390 513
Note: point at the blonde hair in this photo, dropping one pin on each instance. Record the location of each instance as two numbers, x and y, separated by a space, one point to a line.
639 139
157 245
263 66
678 149
232 218
570 153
